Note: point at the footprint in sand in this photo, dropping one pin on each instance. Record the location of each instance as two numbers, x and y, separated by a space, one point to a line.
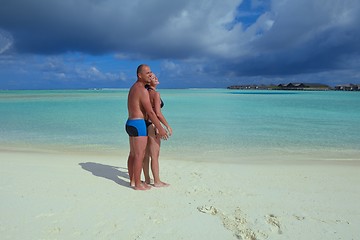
242 228
300 218
208 209
273 221
236 223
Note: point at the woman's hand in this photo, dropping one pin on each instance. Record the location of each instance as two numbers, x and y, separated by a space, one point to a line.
169 130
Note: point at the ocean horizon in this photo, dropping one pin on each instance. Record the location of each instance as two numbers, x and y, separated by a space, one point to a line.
209 124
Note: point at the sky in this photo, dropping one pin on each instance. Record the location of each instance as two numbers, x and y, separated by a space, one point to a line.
68 44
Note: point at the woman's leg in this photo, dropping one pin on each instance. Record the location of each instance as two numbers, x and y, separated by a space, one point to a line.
146 163
154 149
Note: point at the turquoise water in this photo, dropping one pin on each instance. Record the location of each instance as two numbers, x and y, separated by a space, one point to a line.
208 124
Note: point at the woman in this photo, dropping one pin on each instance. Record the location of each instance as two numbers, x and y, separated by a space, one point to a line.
153 145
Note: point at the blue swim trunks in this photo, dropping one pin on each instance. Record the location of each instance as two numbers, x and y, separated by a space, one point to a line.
136 128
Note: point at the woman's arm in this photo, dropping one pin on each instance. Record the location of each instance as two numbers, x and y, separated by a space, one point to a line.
157 110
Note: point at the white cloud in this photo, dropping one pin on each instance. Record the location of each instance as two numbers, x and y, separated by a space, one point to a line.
6 41
123 77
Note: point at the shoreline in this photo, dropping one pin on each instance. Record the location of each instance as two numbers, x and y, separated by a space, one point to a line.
240 156
68 196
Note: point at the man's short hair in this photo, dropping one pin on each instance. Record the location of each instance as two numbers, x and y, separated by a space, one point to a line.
140 68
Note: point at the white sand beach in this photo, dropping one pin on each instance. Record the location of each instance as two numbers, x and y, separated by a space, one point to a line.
73 196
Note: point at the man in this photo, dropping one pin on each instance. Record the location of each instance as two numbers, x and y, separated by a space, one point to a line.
139 107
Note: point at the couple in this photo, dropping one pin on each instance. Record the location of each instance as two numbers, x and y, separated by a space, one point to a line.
145 129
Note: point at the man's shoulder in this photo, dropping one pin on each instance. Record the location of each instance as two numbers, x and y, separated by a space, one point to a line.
139 90
138 87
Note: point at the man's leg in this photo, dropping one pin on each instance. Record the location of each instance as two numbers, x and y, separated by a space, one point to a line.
138 145
130 163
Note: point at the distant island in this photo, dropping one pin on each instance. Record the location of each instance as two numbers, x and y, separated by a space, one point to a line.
298 86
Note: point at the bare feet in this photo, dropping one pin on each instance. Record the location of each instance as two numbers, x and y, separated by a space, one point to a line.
142 186
161 184
149 181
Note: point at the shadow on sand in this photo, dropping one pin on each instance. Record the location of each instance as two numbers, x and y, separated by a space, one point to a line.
109 172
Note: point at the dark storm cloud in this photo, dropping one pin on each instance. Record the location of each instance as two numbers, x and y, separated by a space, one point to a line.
303 37
95 27
286 37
